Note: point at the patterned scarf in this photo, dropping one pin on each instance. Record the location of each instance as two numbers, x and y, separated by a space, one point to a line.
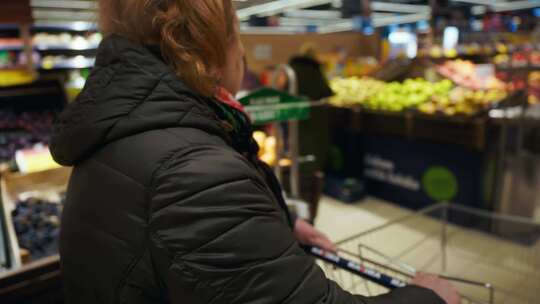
236 123
238 126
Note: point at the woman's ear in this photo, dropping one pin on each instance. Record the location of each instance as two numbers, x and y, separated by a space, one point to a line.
217 75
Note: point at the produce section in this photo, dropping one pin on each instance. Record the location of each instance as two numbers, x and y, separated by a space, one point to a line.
467 74
413 94
377 107
52 51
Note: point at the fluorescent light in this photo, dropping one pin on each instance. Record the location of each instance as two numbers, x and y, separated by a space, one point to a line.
272 30
287 21
280 6
346 25
502 6
400 19
478 10
64 15
450 38
315 14
516 5
276 7
480 2
404 39
64 4
378 20
400 8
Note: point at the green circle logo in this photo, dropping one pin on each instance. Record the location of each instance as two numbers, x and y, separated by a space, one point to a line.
440 183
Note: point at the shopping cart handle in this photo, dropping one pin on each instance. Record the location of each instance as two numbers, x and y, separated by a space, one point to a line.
355 268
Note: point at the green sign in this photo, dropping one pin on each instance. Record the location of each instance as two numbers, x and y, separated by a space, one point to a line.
440 184
268 105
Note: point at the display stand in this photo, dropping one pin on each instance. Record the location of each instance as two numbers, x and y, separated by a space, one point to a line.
517 170
470 152
12 185
37 281
293 133
283 111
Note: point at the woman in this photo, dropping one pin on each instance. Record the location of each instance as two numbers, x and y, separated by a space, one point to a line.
168 202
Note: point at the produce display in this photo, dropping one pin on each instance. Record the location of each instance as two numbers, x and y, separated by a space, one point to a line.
337 64
430 98
23 130
534 87
529 58
267 147
465 73
520 59
66 40
534 58
12 57
469 49
37 224
66 62
462 101
412 93
46 41
354 90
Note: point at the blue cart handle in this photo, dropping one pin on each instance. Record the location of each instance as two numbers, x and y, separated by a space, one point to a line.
355 268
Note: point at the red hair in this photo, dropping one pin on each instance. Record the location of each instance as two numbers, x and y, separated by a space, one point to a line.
193 35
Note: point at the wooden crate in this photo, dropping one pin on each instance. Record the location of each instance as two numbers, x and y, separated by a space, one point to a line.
463 131
385 123
12 185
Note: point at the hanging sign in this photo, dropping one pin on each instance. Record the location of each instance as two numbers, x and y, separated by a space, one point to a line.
269 105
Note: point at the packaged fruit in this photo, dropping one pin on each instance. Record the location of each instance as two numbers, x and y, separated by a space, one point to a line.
267 147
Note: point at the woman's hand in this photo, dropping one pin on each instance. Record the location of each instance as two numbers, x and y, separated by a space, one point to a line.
306 234
441 287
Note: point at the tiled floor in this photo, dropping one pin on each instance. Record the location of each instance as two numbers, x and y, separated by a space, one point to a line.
513 269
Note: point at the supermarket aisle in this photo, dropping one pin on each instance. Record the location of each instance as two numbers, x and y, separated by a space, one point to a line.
340 220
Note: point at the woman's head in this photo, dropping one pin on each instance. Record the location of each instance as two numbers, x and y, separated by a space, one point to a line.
199 39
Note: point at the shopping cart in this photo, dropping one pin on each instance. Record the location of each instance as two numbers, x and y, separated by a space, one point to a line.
489 258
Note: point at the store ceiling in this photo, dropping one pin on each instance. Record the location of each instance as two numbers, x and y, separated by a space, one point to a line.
293 13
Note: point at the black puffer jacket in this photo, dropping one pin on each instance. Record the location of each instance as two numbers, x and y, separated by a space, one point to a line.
162 209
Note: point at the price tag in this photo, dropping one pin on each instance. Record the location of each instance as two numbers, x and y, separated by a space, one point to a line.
35 160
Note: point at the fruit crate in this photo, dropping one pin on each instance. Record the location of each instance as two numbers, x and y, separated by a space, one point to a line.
343 117
465 131
468 131
384 122
14 186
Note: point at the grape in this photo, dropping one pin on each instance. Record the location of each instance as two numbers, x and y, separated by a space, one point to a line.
23 130
36 224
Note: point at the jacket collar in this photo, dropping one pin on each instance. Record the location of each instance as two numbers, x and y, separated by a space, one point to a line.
131 90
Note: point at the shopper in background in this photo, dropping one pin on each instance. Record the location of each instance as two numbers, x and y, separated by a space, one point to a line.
168 202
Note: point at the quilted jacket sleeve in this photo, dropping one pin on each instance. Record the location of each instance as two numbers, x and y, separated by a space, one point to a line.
218 236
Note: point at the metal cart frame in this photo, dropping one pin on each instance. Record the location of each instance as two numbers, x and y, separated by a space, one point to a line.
360 267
